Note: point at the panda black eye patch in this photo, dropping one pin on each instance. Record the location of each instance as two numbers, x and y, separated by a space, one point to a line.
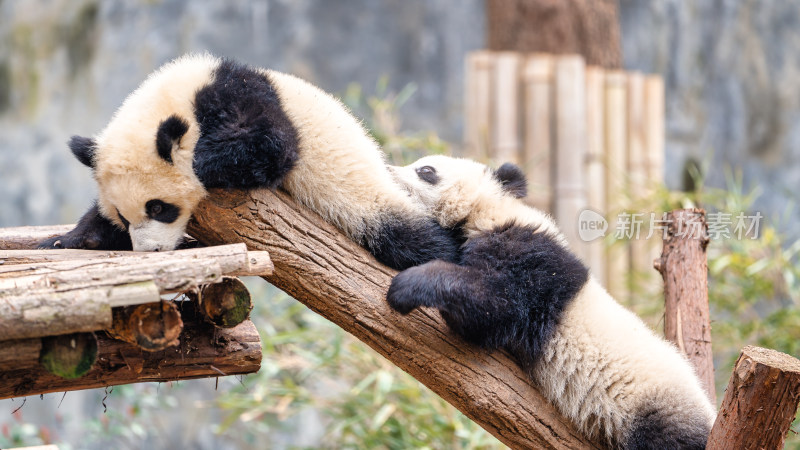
427 174
162 211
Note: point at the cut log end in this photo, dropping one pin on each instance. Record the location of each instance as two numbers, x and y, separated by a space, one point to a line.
69 356
152 326
760 401
226 304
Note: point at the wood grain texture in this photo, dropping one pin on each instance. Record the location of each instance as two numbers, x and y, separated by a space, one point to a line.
335 277
75 295
29 237
684 267
203 352
760 401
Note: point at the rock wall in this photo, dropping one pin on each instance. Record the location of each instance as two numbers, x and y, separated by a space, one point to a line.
732 72
65 66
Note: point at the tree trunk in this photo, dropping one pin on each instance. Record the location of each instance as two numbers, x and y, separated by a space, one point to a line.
333 276
684 267
589 28
760 402
203 352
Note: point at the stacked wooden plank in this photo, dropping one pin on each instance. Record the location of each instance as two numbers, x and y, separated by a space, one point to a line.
587 138
75 319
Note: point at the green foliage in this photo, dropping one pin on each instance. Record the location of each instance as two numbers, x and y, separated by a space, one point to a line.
753 280
384 124
362 400
21 433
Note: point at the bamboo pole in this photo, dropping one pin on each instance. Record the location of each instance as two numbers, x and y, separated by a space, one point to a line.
642 278
505 115
654 148
684 268
477 109
617 256
537 160
569 190
595 166
760 401
338 279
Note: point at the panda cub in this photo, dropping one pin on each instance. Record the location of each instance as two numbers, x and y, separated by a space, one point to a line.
202 122
517 286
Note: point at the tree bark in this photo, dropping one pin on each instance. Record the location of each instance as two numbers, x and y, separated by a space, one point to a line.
19 238
760 402
77 295
684 267
333 276
585 27
203 352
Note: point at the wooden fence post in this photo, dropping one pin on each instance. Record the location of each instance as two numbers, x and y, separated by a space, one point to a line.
684 268
760 402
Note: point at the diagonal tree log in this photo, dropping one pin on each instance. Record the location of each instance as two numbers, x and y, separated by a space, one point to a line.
320 267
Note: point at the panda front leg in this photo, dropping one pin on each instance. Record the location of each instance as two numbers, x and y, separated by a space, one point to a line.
94 232
462 294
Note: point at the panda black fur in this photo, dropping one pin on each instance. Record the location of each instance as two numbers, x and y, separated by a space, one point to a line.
517 286
202 122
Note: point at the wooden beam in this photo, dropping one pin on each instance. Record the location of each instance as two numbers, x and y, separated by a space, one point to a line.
15 238
333 276
203 352
75 295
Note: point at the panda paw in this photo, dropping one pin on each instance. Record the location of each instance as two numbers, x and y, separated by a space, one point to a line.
70 240
406 293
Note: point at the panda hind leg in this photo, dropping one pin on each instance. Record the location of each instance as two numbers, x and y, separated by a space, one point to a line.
94 232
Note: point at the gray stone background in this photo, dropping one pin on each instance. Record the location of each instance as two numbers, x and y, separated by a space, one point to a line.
732 71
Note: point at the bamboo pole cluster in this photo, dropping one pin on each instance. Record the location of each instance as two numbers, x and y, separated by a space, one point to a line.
587 138
62 311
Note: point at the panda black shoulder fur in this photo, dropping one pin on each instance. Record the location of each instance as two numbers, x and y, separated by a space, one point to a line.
518 286
202 122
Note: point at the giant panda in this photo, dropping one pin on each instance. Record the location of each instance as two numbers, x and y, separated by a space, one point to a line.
201 122
518 286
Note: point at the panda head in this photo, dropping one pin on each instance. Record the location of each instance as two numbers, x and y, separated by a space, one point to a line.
142 160
452 188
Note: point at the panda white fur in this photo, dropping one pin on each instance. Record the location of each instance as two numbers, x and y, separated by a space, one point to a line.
201 122
517 286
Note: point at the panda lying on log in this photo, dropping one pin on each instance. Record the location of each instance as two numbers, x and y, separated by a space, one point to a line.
517 286
202 122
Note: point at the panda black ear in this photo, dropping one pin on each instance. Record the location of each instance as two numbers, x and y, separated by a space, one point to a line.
170 132
512 179
83 148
